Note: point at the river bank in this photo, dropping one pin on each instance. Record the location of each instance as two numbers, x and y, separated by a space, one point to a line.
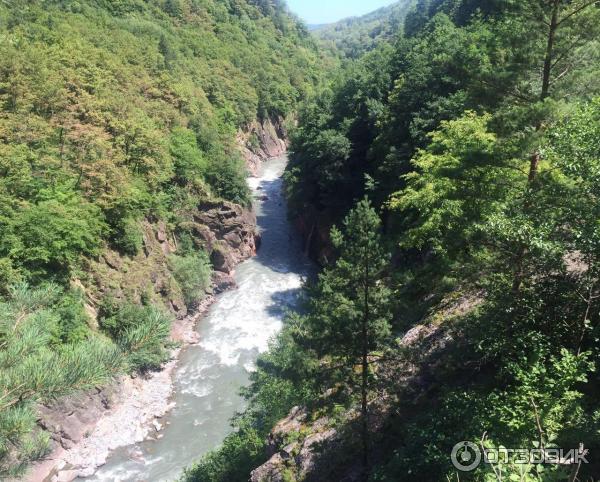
133 409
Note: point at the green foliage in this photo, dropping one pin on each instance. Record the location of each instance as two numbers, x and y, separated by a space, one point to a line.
355 36
327 164
48 237
486 173
240 452
128 236
188 159
349 307
141 332
193 273
227 176
73 319
34 369
451 183
106 106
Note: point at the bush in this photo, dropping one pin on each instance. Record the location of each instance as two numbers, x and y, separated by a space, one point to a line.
141 332
128 237
193 273
240 452
51 236
8 275
73 321
227 177
187 158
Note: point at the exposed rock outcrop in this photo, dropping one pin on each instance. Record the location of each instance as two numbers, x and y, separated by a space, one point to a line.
295 446
231 234
225 230
314 228
262 140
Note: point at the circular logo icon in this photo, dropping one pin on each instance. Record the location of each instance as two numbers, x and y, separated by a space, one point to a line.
466 456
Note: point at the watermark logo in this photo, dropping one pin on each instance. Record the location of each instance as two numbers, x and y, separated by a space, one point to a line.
467 456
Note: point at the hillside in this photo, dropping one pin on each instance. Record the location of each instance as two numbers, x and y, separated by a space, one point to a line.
123 132
357 35
447 184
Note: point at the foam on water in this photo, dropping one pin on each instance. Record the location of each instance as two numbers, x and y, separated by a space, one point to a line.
236 329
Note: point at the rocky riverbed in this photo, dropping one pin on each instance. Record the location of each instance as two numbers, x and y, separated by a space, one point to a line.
86 428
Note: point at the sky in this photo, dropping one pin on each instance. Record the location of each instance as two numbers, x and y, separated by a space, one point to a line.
328 11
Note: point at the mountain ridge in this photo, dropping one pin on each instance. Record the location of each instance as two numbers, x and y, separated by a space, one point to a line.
357 35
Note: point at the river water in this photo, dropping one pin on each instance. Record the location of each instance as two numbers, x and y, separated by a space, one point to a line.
236 329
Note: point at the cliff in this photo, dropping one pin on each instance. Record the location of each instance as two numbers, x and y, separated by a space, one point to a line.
262 139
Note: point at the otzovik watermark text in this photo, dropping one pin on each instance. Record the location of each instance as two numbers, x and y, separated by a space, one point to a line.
468 456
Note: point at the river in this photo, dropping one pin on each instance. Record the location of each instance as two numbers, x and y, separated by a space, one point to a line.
235 330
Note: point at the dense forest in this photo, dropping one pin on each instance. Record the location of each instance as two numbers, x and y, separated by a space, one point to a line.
353 37
115 115
444 168
457 166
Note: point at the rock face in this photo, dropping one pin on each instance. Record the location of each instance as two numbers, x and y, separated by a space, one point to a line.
225 230
262 140
83 410
314 228
231 234
299 458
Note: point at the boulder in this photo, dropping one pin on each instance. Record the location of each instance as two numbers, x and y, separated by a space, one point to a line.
222 259
223 282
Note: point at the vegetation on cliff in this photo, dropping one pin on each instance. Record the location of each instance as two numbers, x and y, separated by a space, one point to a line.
474 134
116 117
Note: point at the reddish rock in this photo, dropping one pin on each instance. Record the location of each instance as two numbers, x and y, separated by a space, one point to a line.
223 282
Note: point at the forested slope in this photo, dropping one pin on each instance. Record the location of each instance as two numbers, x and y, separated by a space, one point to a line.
353 37
459 298
118 125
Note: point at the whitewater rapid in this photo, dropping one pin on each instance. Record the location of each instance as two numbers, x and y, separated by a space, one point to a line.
234 332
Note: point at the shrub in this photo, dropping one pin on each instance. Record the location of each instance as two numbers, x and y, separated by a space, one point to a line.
73 324
227 176
141 332
51 236
193 273
128 237
187 157
8 275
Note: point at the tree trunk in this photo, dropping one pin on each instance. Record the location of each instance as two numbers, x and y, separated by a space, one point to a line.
550 50
365 409
535 158
365 374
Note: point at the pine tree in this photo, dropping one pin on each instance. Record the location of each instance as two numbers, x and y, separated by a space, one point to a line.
350 315
34 370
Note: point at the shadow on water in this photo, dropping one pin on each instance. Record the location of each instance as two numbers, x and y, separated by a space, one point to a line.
281 249
283 302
